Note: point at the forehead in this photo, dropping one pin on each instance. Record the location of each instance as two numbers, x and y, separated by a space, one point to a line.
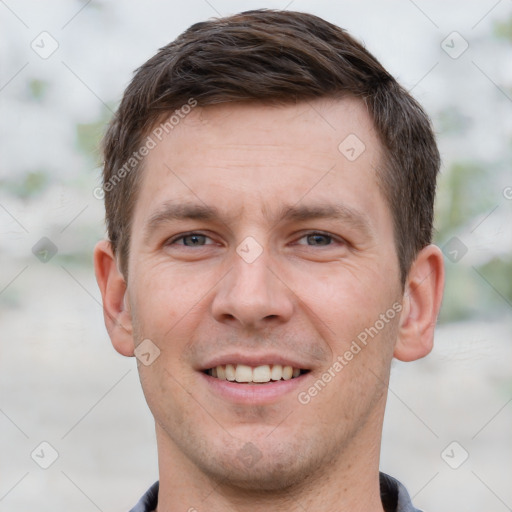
249 158
269 130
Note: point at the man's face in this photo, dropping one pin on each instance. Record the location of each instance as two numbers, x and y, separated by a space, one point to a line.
257 241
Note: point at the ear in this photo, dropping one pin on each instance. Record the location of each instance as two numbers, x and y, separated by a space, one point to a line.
421 302
113 289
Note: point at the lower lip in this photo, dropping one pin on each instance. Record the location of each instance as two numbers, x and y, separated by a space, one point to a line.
253 393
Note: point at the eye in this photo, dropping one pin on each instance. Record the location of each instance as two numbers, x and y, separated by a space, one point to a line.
316 239
190 240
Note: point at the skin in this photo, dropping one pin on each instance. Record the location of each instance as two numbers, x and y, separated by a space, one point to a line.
303 297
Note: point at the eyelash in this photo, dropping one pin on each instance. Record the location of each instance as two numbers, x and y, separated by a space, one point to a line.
311 233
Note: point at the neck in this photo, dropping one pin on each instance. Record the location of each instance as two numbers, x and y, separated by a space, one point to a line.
349 482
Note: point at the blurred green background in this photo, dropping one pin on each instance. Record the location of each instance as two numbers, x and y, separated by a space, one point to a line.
61 381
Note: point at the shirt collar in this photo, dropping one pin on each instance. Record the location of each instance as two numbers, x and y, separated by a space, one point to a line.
394 495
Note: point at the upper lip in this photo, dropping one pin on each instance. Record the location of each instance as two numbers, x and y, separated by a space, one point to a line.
253 360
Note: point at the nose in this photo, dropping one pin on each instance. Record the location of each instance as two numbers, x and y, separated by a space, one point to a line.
252 295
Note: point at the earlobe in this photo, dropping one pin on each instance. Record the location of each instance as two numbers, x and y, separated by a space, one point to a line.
421 303
116 310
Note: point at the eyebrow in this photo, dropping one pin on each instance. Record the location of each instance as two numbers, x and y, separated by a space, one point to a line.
354 218
171 210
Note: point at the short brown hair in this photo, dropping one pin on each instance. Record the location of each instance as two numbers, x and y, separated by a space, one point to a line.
279 57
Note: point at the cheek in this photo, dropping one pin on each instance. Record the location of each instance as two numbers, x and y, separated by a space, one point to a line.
346 300
166 299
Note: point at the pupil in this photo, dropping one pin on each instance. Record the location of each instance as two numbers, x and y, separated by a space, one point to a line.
194 239
319 239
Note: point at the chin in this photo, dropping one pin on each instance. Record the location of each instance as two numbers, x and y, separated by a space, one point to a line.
273 469
267 476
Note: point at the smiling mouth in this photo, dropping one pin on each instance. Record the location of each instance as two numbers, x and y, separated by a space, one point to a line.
244 374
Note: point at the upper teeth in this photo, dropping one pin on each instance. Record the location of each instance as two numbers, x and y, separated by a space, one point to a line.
263 373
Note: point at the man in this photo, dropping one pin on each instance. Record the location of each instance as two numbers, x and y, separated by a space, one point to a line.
269 195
